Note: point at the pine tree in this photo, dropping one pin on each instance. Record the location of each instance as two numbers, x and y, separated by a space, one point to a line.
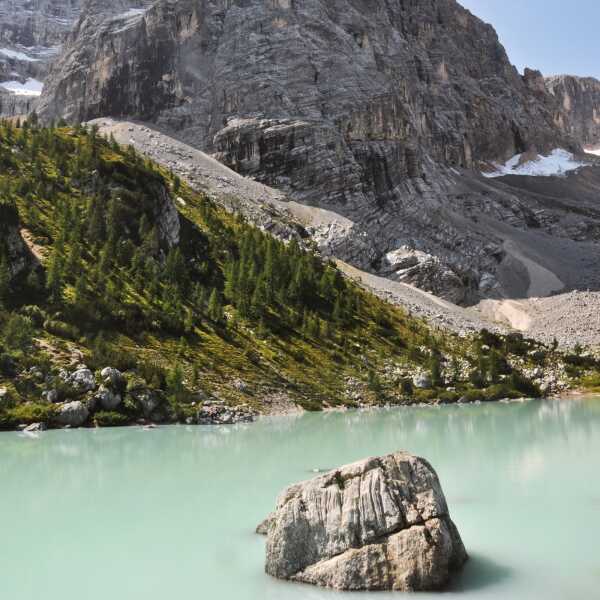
215 308
435 368
55 278
175 385
81 290
259 299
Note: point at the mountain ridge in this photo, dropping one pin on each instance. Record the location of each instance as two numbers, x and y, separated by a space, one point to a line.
380 113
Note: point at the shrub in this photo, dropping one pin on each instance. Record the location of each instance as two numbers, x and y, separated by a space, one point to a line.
473 395
62 329
522 384
35 313
6 401
8 366
447 397
500 391
110 419
18 332
516 344
425 395
477 379
591 381
26 414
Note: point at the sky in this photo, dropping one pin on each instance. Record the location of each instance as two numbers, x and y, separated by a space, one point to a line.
554 36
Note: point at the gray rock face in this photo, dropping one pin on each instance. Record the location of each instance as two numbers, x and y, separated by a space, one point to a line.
422 381
19 256
148 400
107 398
112 377
378 524
371 83
82 380
37 24
74 414
31 35
35 428
110 393
376 110
578 106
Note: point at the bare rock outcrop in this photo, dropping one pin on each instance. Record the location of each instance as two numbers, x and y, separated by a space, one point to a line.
578 106
31 35
12 246
378 524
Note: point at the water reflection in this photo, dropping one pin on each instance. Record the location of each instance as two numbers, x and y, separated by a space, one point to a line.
480 572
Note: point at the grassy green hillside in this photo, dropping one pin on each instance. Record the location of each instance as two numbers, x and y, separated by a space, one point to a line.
124 266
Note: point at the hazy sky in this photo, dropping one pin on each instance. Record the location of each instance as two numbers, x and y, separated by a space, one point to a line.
554 36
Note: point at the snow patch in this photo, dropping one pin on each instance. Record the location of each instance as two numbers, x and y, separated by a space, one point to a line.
132 12
557 163
32 87
595 151
128 18
14 54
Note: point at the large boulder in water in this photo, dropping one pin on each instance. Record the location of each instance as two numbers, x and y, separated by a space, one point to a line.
378 524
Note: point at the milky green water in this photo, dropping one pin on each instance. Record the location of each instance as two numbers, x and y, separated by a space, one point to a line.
169 513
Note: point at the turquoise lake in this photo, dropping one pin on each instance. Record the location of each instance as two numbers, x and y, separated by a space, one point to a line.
128 514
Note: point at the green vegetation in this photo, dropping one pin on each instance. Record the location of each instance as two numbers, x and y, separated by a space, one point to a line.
138 272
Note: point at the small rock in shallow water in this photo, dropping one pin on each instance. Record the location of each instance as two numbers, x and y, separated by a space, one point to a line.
35 428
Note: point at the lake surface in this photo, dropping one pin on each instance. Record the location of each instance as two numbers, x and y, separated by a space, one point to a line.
128 514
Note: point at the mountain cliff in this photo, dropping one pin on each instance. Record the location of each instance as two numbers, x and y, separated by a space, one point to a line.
578 111
31 35
373 81
377 110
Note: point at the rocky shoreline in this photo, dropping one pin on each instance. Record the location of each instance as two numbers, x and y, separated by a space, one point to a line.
77 396
82 398
217 413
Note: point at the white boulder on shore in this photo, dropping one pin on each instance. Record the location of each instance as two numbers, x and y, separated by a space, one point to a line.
73 414
378 524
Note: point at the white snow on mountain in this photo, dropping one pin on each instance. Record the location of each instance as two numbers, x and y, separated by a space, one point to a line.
557 163
17 55
32 87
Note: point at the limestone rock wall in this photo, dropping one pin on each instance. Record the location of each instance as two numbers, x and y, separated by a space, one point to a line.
578 106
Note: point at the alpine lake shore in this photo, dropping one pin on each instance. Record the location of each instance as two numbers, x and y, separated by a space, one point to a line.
127 297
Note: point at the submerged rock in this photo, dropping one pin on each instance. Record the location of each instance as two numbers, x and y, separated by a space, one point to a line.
378 524
35 428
